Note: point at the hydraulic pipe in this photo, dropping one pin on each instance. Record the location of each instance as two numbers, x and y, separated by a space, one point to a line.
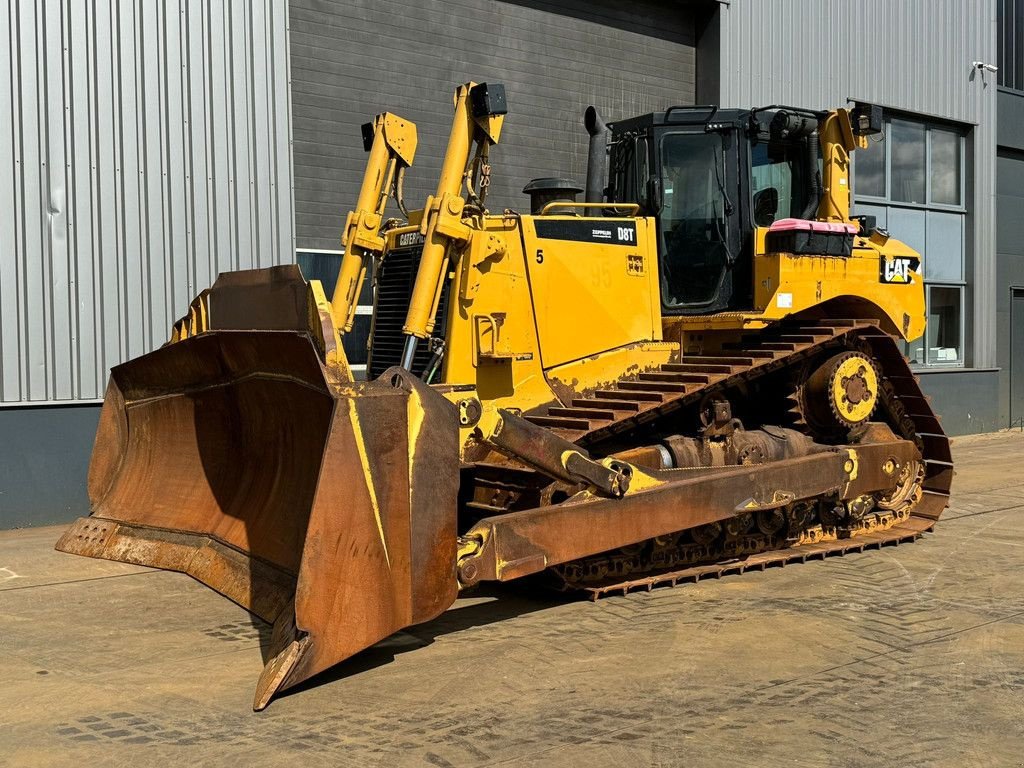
409 352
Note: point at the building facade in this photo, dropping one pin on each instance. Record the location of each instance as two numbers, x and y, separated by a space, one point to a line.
930 180
143 150
1009 298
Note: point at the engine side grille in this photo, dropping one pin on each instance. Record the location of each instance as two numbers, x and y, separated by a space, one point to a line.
394 281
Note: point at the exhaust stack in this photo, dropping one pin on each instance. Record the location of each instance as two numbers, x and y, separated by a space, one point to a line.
597 160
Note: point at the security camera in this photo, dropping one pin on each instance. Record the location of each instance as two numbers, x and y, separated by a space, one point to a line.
984 66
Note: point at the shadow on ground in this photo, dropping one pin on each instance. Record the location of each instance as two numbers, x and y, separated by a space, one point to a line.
499 602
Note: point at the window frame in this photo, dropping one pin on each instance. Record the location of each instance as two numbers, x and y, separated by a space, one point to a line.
960 362
887 199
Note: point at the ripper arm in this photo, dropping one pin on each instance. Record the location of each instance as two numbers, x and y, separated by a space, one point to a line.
391 142
842 131
479 114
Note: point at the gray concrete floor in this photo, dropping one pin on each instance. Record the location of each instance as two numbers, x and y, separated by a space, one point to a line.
907 656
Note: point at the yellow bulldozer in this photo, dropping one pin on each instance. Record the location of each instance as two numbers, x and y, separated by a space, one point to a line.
695 371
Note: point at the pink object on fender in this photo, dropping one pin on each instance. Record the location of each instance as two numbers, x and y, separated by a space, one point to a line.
808 225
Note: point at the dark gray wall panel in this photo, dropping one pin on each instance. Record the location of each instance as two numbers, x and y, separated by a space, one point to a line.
1009 269
353 59
1015 388
44 461
1010 114
965 400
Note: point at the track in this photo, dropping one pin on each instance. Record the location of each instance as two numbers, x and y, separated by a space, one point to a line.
645 399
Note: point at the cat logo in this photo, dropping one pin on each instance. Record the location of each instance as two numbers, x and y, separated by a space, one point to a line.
898 269
409 238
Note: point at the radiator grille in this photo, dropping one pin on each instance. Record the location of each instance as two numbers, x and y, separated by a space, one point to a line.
394 281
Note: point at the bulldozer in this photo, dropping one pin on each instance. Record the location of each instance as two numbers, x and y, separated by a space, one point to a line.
695 371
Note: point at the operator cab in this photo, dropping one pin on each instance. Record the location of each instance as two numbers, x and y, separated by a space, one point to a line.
708 177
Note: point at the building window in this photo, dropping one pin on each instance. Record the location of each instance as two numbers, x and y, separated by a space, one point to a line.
945 166
907 159
323 266
1010 37
912 180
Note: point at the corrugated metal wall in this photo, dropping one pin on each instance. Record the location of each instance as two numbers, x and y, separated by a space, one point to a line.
913 55
144 147
354 59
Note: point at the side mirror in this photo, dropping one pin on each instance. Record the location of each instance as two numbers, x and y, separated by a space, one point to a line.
766 205
654 195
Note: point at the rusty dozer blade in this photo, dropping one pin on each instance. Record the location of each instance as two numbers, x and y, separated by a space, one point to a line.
244 455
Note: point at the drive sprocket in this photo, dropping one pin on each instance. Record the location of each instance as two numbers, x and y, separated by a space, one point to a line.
838 394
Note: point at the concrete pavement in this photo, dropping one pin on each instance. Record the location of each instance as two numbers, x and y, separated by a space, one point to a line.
911 655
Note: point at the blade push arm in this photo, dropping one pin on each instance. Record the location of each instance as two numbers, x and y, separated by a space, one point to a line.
479 114
391 142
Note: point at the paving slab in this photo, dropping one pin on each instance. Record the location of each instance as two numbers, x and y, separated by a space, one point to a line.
909 655
28 559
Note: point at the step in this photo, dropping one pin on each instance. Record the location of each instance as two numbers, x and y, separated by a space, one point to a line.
753 351
611 405
676 378
581 413
617 394
667 374
652 386
557 422
781 346
700 368
803 338
720 359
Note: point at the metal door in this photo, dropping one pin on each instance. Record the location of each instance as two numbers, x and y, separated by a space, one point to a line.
1016 354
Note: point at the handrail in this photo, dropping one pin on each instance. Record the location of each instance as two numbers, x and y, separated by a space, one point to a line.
634 208
697 118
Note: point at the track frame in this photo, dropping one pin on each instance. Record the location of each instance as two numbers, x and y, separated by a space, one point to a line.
640 402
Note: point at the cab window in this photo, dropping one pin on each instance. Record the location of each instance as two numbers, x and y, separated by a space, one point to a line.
693 222
777 183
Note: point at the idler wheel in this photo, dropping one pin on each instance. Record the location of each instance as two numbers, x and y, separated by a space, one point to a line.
908 490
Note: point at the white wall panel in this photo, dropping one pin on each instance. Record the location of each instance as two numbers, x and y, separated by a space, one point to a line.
144 147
